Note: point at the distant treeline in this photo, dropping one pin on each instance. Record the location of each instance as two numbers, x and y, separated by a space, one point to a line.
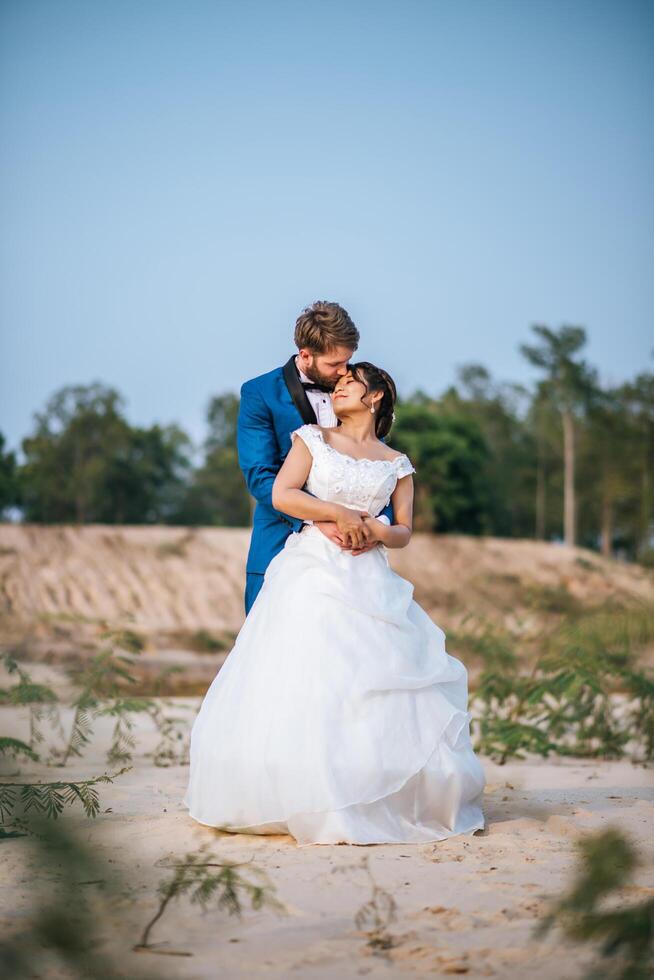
569 460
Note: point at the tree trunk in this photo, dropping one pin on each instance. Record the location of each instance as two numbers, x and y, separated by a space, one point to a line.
607 525
645 518
569 529
540 497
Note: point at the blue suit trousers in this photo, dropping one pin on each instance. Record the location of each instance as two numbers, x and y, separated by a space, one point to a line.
253 583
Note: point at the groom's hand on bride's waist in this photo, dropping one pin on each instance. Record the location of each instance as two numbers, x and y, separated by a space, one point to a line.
371 527
362 551
330 530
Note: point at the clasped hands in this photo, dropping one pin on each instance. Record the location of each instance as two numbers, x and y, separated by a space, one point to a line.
353 530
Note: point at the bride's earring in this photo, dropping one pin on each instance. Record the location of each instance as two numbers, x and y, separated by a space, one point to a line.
372 409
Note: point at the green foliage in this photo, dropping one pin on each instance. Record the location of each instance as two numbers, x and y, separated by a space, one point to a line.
222 419
507 469
79 909
486 640
100 685
489 457
9 486
15 747
448 452
617 469
569 703
205 642
570 380
606 862
100 693
85 463
125 639
73 901
99 696
122 741
552 599
375 916
173 745
39 698
193 877
617 629
216 494
20 801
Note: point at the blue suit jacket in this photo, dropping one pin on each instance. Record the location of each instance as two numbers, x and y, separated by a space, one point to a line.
272 406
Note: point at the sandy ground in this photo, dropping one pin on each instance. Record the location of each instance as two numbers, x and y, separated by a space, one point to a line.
467 905
464 906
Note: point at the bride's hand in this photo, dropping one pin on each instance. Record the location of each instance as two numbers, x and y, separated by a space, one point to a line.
371 529
350 524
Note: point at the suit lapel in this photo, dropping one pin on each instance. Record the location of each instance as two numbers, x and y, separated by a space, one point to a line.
297 392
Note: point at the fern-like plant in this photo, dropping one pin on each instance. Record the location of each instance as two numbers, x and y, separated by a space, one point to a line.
40 700
16 747
569 701
625 933
195 876
20 801
375 916
101 683
73 922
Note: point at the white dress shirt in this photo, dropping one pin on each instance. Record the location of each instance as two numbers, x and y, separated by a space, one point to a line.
321 403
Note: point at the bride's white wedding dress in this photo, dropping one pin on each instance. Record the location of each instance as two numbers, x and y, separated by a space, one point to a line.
338 716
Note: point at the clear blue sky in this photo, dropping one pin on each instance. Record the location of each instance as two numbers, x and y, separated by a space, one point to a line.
178 179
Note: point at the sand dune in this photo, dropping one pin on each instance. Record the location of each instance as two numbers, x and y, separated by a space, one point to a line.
169 578
179 587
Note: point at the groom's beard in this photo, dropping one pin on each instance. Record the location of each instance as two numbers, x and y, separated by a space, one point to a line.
314 375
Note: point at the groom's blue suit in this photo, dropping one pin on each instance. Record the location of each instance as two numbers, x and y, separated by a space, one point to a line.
272 406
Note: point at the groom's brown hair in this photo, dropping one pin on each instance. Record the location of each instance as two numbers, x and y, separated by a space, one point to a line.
323 325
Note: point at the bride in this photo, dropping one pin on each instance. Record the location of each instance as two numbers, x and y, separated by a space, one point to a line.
338 716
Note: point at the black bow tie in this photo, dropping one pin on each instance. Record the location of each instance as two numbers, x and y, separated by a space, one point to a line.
315 386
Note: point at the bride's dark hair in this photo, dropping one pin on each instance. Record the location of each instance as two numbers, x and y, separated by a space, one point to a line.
376 379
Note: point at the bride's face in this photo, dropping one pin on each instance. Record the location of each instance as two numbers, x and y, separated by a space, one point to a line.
348 394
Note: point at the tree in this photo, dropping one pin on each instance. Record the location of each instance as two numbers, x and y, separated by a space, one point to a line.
637 397
497 409
85 463
9 493
222 420
217 494
449 454
543 423
570 384
606 457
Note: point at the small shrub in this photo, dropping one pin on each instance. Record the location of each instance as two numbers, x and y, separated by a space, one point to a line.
204 642
194 877
625 933
552 599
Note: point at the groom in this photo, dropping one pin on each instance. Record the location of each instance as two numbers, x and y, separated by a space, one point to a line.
272 406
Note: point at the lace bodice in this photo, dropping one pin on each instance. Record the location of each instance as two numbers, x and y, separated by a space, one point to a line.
365 484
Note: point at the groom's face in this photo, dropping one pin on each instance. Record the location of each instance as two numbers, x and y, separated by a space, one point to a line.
326 368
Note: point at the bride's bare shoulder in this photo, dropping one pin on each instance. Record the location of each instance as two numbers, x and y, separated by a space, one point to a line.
322 430
391 454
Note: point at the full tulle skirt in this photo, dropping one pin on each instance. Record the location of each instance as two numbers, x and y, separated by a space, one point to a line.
338 716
